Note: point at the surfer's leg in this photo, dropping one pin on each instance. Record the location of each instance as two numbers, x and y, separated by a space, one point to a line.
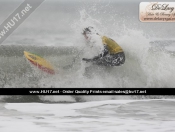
118 59
85 69
112 60
105 61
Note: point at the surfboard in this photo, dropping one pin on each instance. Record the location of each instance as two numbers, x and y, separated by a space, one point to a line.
39 62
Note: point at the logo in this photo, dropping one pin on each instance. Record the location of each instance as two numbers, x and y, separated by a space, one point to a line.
157 12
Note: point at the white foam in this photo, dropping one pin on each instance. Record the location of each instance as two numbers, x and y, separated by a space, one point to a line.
62 109
96 116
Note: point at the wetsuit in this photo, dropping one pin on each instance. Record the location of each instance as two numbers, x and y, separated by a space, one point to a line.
112 54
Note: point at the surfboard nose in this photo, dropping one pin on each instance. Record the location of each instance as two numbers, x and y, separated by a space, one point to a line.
25 52
39 62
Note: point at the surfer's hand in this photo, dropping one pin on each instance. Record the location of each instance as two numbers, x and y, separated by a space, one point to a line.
95 58
87 60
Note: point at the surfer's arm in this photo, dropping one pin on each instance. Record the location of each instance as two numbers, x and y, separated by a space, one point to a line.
103 54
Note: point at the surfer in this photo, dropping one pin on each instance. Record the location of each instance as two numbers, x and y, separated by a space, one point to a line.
112 54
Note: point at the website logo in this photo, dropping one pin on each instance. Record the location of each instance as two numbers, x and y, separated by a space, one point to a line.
157 12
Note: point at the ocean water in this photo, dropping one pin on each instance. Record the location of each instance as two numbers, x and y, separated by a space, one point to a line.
105 116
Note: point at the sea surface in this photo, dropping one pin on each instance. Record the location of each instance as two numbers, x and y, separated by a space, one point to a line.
104 116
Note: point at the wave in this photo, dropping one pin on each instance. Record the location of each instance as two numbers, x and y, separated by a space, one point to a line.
147 65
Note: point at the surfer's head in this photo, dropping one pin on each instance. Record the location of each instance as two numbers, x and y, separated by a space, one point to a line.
87 32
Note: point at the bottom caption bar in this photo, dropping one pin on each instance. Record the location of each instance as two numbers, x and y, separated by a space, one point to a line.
87 91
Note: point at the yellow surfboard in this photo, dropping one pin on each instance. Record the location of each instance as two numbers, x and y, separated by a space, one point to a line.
39 62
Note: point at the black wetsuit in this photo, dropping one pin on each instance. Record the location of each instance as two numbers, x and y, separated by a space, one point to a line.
112 54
